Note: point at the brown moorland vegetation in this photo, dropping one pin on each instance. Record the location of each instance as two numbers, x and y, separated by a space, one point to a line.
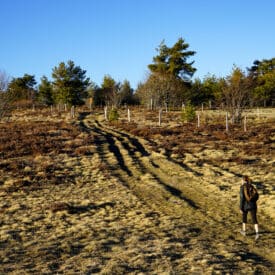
84 196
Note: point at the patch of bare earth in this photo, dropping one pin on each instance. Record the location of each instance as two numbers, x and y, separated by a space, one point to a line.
87 197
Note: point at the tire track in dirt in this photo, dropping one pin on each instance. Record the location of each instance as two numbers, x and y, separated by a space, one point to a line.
173 189
177 178
181 186
140 172
194 170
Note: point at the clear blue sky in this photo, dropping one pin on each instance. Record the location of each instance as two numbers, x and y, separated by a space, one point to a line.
120 37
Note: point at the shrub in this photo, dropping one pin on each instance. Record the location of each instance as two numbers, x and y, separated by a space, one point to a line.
188 114
113 115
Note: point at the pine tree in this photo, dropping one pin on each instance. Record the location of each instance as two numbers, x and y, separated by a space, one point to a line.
170 76
173 60
23 87
69 84
45 91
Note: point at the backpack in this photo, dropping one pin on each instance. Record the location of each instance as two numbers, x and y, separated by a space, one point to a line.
250 192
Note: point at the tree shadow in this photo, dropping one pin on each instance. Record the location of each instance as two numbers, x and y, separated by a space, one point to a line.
261 186
113 148
223 264
78 209
134 141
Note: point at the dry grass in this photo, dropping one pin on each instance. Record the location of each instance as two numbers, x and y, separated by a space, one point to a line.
81 197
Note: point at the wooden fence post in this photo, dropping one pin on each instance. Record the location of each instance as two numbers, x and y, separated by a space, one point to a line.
244 123
160 111
91 103
198 120
129 115
105 113
226 122
72 112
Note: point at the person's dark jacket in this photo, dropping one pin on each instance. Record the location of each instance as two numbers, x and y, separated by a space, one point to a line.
244 204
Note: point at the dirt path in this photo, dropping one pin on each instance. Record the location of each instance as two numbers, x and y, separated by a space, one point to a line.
183 194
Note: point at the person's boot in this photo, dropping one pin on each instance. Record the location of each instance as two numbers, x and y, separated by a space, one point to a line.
243 233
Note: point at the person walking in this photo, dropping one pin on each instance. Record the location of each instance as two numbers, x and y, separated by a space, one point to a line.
248 203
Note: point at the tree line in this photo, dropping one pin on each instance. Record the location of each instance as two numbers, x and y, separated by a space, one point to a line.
69 86
169 83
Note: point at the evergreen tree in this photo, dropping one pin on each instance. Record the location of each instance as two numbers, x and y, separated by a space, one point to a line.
188 114
45 91
69 84
174 60
126 93
111 91
196 94
22 88
170 76
263 73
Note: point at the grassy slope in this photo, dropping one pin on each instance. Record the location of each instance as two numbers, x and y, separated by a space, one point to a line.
91 199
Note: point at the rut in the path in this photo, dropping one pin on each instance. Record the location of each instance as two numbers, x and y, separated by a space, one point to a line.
174 189
139 169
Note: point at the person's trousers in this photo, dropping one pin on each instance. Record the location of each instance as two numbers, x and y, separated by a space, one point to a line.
253 215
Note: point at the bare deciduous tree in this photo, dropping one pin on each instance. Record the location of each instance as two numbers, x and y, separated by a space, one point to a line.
236 92
161 90
5 96
4 81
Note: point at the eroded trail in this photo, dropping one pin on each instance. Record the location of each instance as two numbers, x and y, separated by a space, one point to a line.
203 218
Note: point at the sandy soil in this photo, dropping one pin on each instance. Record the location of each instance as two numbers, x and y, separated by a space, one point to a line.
118 203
